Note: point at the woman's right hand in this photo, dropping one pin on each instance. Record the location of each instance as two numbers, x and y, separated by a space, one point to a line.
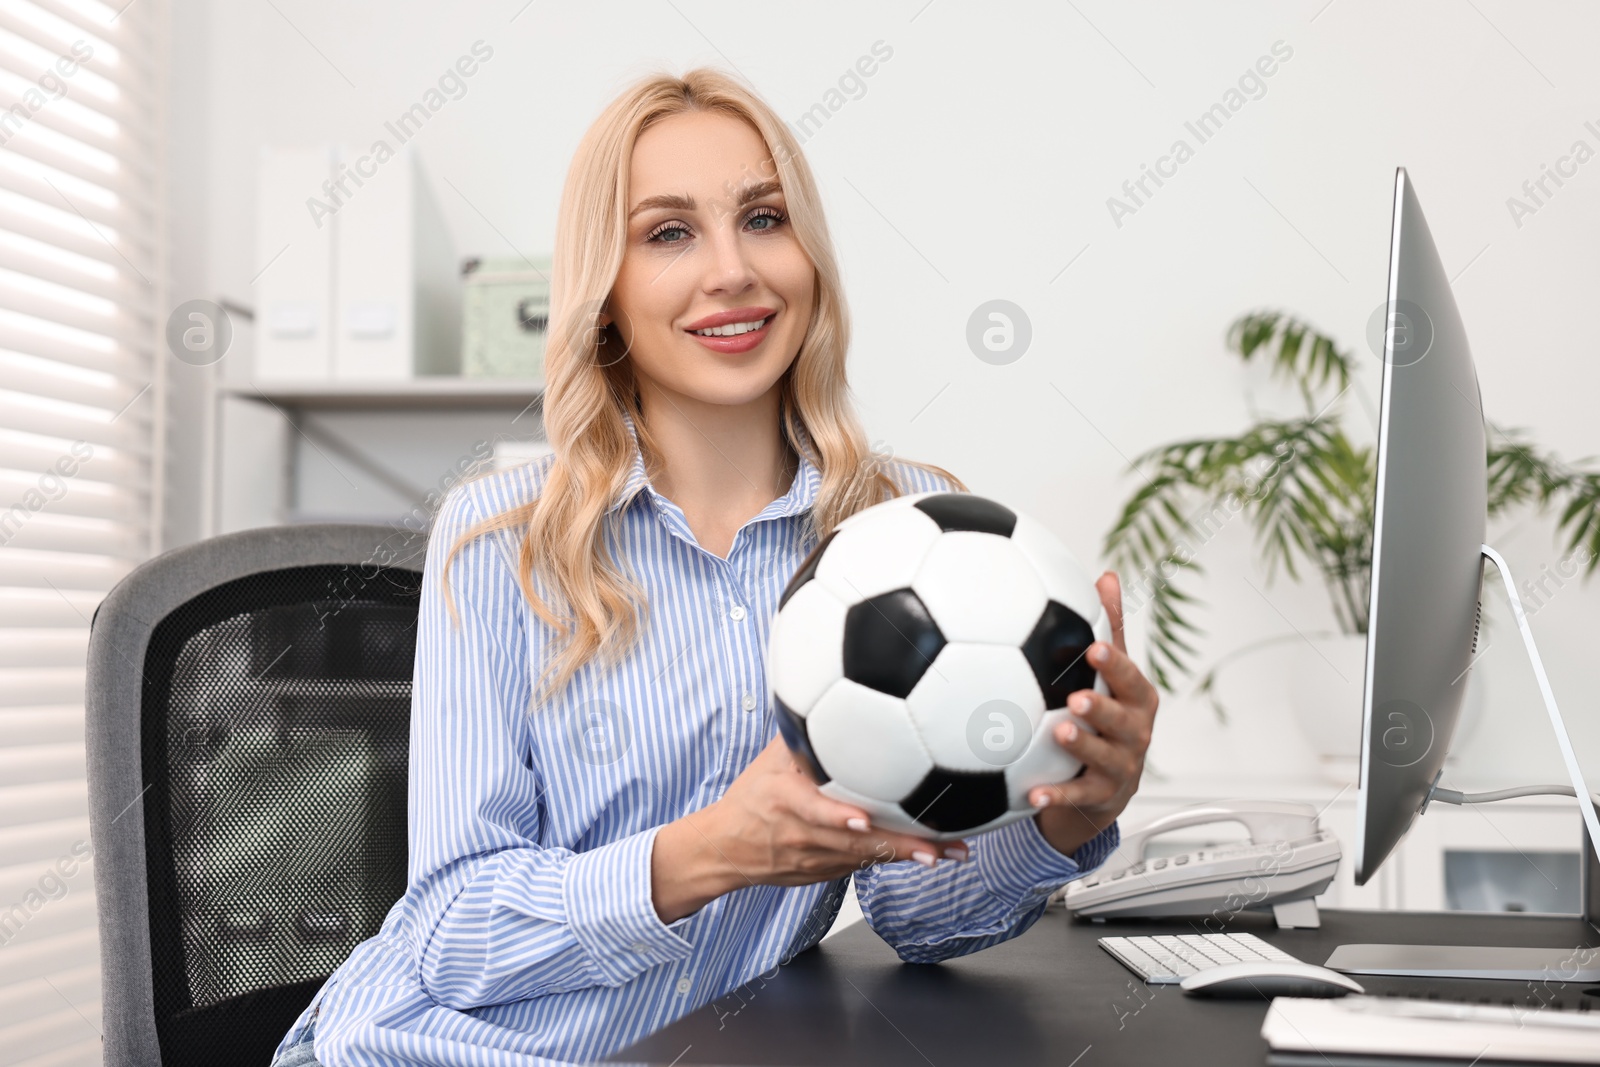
772 827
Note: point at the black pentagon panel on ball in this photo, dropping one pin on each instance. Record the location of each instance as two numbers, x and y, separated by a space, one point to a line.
1058 652
793 729
889 642
953 802
807 571
968 512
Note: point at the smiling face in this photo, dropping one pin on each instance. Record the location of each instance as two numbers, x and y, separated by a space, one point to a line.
715 293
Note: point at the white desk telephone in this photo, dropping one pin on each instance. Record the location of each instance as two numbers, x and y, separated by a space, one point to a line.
1288 860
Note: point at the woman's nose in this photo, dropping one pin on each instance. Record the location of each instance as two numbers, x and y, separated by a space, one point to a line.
728 268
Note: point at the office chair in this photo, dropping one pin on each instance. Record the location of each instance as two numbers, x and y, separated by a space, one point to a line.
248 708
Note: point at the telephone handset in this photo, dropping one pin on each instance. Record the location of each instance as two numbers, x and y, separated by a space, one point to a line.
1288 860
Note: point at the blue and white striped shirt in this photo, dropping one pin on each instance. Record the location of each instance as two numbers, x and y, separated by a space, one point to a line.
527 929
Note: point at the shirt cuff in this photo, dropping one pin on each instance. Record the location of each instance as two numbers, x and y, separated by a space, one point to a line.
1016 861
612 914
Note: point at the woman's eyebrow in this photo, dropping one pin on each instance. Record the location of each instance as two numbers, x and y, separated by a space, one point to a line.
758 190
674 201
684 202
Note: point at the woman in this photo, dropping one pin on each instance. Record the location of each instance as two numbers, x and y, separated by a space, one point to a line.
608 841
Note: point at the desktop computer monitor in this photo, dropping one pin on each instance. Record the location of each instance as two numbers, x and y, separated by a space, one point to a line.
1425 602
1427 542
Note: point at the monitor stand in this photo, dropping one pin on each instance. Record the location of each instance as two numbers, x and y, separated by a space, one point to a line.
1578 964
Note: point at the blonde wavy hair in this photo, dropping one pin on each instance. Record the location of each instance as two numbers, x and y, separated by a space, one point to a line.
563 542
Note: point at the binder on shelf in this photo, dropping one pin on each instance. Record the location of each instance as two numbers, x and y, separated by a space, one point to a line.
395 282
360 270
294 258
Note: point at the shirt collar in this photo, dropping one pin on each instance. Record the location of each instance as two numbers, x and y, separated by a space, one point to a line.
801 495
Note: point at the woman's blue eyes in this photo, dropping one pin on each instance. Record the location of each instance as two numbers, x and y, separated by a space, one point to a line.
659 234
772 216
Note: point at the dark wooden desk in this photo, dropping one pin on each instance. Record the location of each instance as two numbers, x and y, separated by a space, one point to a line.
1053 996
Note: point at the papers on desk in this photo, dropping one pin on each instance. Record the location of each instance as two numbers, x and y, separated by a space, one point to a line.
1378 1030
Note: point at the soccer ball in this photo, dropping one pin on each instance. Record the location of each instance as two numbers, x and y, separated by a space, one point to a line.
922 655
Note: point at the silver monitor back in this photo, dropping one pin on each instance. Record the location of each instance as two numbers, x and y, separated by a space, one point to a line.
1427 545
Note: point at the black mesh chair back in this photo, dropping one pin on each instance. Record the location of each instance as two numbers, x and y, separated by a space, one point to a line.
248 706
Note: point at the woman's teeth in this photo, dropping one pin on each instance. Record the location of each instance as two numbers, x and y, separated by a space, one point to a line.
733 329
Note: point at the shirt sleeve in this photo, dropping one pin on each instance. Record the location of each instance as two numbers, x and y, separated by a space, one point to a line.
499 916
928 914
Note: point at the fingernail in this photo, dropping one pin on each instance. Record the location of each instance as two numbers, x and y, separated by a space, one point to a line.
1041 800
1070 730
1080 703
858 825
957 854
925 858
1099 654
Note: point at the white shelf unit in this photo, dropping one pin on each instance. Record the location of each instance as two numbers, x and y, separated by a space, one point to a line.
405 395
258 428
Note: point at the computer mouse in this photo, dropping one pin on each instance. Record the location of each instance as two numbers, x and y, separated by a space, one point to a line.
1269 978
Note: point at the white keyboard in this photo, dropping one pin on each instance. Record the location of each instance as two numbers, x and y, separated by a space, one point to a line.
1168 959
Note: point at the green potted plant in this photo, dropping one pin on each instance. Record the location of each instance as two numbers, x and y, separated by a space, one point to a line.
1307 490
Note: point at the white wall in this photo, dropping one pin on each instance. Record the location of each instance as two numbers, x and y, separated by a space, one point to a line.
977 165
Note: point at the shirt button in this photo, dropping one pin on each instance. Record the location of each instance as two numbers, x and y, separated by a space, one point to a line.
682 987
738 613
749 702
639 947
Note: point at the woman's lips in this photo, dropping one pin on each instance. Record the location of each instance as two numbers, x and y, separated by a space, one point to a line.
742 342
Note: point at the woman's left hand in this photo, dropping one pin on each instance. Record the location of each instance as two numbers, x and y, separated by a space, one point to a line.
1074 812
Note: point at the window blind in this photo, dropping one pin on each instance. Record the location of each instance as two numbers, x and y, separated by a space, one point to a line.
81 294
